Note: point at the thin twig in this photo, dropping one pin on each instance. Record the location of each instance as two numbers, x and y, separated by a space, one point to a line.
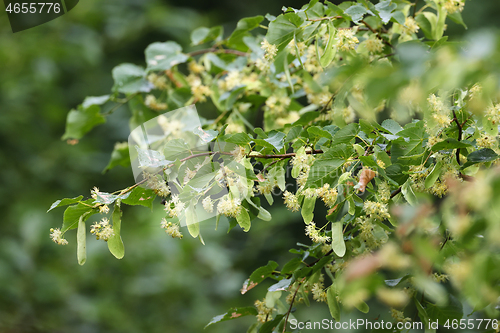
377 33
396 192
455 119
291 305
415 8
216 50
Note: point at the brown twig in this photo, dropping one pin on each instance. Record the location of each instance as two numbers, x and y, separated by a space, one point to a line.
377 33
216 50
455 119
291 305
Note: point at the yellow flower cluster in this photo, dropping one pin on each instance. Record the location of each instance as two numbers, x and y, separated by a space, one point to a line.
208 204
399 316
452 6
264 313
56 236
171 229
158 81
270 49
376 210
374 45
102 230
152 103
291 201
493 113
178 206
410 26
315 235
278 104
195 68
346 39
487 141
384 192
157 184
328 195
229 207
318 292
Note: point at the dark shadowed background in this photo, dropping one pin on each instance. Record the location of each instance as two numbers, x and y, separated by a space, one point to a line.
162 284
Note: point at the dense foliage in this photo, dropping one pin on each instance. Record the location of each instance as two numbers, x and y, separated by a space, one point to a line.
364 108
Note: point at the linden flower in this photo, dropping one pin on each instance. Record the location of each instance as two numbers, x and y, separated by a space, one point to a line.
486 141
374 45
376 209
102 230
171 229
410 26
195 68
56 236
104 209
208 204
264 313
270 49
152 103
315 235
346 39
229 207
453 6
291 201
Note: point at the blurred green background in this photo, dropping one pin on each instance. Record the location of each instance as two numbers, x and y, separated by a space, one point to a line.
162 284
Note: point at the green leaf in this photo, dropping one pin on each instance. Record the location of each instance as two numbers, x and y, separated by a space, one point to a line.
324 169
233 313
205 135
80 122
259 275
451 311
363 307
282 30
315 131
239 139
72 214
242 28
480 156
308 209
164 56
457 18
346 134
385 9
333 303
244 219
95 100
130 79
450 143
408 193
424 22
81 251
356 12
276 139
192 221
422 313
119 156
330 48
291 266
115 243
140 196
434 175
392 126
338 244
65 202
204 35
